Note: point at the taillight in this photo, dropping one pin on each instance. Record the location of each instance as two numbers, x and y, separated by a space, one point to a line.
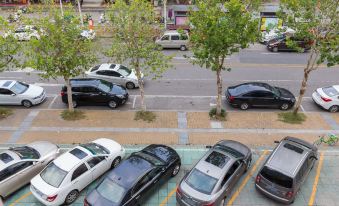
257 179
231 98
326 99
289 194
179 192
86 203
209 204
62 93
51 198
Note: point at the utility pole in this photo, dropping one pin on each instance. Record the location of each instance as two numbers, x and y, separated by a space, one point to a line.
62 11
165 13
81 19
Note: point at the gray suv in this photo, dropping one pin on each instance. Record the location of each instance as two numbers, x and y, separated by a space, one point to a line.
286 169
214 176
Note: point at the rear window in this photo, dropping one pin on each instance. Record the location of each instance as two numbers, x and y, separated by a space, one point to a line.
95 68
53 175
111 191
330 91
293 148
201 182
276 177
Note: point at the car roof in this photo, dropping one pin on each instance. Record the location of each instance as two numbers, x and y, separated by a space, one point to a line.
172 32
68 161
252 86
288 157
129 171
85 82
108 67
7 83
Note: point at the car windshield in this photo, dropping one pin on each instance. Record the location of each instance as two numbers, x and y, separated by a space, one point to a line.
53 175
124 71
150 158
26 152
330 91
275 91
201 182
111 191
276 177
105 86
95 149
229 150
19 87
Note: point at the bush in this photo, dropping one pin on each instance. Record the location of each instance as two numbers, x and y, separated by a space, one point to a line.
145 115
291 118
5 112
213 114
73 116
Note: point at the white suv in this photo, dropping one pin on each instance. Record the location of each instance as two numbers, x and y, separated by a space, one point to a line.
64 178
327 98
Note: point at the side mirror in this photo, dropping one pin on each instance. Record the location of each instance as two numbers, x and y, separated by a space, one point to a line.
122 76
314 157
13 94
277 142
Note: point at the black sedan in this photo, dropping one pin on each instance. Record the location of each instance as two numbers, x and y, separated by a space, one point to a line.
130 181
258 94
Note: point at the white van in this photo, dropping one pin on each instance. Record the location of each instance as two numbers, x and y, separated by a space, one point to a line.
174 39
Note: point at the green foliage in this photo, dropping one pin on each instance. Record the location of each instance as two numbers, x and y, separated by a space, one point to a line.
5 112
291 118
72 115
214 116
318 22
9 46
146 116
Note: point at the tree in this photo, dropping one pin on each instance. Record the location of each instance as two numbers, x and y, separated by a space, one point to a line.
316 21
9 46
135 26
60 52
219 29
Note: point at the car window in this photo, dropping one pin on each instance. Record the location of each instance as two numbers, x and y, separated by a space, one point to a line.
251 94
87 89
267 94
165 37
95 68
113 74
183 37
76 89
230 172
102 72
201 182
277 177
142 182
79 171
14 169
53 175
124 71
94 161
175 37
6 158
330 91
5 92
154 173
105 86
19 87
26 152
111 191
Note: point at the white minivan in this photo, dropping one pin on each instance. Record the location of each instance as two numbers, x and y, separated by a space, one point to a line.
174 39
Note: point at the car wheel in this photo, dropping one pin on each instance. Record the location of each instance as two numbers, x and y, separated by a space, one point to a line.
71 197
284 106
116 162
334 109
248 166
244 106
275 49
27 103
74 103
112 104
130 85
176 170
183 48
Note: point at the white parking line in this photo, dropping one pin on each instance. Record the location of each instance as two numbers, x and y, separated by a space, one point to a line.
11 78
52 102
302 108
268 53
47 84
135 98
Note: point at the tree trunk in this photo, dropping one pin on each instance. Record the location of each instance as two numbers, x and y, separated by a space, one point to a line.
141 86
301 92
219 86
69 94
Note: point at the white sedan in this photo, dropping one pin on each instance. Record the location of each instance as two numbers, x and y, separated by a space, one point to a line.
115 73
25 33
63 179
327 98
18 93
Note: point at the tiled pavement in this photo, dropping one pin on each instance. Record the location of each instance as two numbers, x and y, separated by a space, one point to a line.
326 193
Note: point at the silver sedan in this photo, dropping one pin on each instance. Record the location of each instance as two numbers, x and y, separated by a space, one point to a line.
18 165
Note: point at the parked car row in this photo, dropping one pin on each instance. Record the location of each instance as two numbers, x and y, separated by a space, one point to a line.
58 179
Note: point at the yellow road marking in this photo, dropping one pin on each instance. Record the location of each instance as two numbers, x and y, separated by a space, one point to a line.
21 198
316 180
244 182
164 202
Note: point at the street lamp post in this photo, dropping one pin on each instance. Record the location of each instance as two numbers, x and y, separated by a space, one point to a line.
165 13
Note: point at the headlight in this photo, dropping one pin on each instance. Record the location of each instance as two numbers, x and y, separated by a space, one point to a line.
121 96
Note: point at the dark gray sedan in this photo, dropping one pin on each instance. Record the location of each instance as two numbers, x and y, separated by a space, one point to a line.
214 176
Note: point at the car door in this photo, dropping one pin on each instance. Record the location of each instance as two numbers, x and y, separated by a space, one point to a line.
98 165
175 42
119 79
252 98
15 176
232 176
140 188
5 97
81 177
269 99
165 41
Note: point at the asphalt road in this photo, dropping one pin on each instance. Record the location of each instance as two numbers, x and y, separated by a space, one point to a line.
190 87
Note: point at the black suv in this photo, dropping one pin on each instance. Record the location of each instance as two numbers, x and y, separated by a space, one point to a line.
95 92
280 44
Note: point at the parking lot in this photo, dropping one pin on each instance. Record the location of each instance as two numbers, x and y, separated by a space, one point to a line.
321 187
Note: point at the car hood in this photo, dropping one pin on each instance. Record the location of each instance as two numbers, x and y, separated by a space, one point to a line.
44 148
94 198
33 91
109 144
285 93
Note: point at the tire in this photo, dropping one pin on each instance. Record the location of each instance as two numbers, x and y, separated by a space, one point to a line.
248 166
244 106
74 103
112 104
71 197
183 48
333 109
275 49
27 103
284 106
116 162
175 170
130 85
